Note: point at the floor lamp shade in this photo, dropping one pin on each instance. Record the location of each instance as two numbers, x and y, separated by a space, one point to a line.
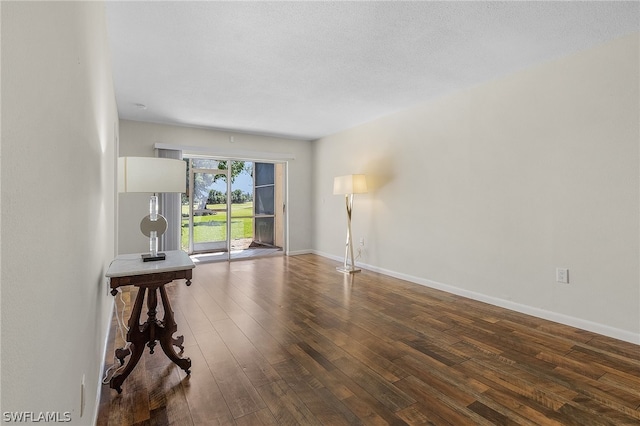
347 186
152 175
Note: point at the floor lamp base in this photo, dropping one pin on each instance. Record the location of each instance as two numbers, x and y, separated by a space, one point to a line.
348 269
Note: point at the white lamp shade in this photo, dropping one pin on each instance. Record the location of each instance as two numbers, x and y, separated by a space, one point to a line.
150 174
350 184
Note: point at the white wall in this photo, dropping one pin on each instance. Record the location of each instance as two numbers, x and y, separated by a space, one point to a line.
59 126
139 139
485 192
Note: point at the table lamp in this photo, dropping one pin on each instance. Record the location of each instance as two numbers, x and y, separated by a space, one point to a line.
154 175
349 185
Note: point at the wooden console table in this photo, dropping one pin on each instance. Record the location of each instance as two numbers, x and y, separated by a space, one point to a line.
150 278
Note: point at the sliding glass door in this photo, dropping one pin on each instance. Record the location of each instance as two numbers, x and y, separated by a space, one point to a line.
233 208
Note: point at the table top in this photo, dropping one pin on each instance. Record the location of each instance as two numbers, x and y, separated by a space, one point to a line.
126 265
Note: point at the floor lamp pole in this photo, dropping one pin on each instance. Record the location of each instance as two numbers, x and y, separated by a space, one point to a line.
348 250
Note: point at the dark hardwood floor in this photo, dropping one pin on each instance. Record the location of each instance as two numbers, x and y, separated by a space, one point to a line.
288 340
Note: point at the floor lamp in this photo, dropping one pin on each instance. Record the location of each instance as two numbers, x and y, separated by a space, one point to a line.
349 185
152 175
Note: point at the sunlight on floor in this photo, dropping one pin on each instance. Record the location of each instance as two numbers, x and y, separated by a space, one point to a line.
236 255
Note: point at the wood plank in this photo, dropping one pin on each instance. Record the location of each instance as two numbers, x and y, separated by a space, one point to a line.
440 405
286 406
322 403
490 414
240 395
386 393
258 370
415 414
325 373
528 410
386 368
608 359
205 400
355 397
257 418
167 395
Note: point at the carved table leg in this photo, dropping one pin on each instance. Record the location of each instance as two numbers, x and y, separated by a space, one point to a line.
152 303
166 339
178 341
122 353
116 381
137 336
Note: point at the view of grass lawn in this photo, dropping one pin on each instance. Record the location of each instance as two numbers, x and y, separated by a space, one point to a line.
212 227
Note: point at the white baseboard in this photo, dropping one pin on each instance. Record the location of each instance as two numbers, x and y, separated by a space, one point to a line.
105 345
583 324
299 252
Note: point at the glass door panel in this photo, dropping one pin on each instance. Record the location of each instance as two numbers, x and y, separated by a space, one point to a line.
264 203
241 206
265 174
209 207
264 200
264 230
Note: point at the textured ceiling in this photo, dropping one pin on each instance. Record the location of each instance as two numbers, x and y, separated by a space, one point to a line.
309 69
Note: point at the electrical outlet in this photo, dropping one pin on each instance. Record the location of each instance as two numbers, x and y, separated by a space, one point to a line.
562 275
362 242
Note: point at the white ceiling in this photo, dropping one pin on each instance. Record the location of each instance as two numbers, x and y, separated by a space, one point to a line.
309 69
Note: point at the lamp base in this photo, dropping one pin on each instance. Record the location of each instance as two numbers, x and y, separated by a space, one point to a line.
148 257
348 269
